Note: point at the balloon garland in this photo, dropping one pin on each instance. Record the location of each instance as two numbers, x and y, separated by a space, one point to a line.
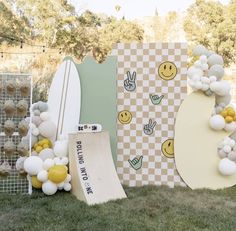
47 166
206 75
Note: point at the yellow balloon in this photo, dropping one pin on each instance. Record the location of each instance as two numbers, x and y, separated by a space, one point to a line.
57 173
39 149
36 183
229 119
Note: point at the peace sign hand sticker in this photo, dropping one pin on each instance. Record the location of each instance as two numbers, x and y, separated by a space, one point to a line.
149 128
129 83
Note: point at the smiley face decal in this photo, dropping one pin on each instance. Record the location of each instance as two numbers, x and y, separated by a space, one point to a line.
167 70
167 148
124 117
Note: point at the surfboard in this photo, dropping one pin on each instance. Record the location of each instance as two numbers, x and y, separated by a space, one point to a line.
64 99
196 144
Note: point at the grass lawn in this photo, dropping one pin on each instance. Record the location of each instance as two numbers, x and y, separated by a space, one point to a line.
148 208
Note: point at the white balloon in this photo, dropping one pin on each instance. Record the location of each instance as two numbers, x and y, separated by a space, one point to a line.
217 122
198 85
33 165
217 71
222 154
47 129
34 153
212 78
49 188
232 156
20 163
205 79
194 71
205 67
203 59
221 145
64 160
215 59
232 143
67 187
46 153
68 178
221 88
227 167
205 87
200 50
61 148
32 126
35 131
48 163
198 64
225 100
196 78
57 161
227 149
42 176
36 120
60 186
44 116
230 127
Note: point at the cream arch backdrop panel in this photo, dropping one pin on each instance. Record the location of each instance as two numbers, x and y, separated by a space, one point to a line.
196 144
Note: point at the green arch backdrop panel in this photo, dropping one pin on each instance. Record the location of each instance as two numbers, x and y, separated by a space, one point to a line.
98 95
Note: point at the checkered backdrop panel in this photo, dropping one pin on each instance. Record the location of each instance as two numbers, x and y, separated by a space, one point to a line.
145 59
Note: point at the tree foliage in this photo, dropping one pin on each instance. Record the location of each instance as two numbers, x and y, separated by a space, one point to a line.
56 23
213 25
11 24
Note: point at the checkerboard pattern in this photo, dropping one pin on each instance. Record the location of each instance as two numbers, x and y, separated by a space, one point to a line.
144 59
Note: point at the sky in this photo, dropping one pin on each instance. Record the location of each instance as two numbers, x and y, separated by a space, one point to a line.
133 9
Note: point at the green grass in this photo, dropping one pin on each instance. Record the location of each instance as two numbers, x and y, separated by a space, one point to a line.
147 208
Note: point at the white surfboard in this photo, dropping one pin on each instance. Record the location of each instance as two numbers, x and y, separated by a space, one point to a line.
64 98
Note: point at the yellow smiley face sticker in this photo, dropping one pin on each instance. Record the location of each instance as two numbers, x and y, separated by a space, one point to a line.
125 117
167 70
167 148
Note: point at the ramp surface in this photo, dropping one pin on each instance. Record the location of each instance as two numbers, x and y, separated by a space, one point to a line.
94 177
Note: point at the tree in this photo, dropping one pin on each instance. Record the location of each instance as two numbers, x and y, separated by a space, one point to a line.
12 25
115 32
166 28
212 24
56 24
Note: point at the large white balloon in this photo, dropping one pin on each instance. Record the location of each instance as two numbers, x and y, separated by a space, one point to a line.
47 129
215 59
217 70
221 88
33 165
227 167
46 153
200 50
217 122
42 176
49 188
48 163
61 148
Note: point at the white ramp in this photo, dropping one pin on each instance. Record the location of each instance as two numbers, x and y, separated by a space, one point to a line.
94 177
